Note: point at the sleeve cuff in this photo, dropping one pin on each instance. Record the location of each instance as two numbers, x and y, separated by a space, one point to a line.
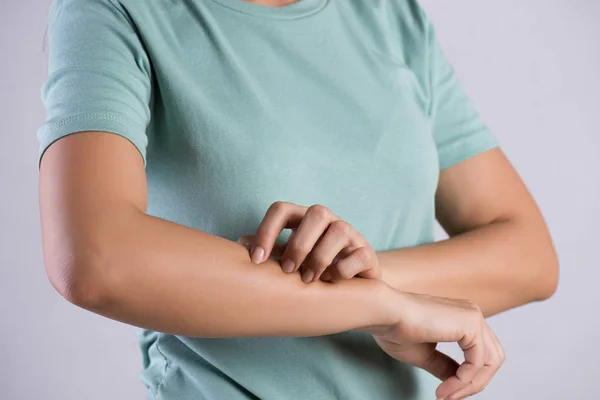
466 148
51 131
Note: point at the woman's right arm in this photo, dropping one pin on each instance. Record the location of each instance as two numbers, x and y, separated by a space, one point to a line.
103 253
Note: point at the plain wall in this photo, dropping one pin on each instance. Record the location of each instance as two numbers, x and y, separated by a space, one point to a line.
532 68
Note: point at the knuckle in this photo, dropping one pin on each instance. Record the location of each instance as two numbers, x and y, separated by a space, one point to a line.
494 361
319 211
474 307
341 227
502 356
476 316
479 363
497 366
278 206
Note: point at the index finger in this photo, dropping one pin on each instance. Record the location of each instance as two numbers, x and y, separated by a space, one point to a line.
280 215
474 352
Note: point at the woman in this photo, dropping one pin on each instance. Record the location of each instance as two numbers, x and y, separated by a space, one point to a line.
203 122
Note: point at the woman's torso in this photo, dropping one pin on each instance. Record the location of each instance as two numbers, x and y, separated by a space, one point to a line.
317 102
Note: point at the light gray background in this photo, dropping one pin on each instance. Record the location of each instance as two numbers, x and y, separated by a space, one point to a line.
532 69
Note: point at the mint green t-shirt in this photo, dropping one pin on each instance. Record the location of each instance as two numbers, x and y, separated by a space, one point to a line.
233 105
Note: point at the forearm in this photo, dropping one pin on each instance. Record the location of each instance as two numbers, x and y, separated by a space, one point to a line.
499 266
163 276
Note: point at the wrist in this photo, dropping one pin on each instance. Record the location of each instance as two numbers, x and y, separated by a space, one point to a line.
386 303
399 271
385 265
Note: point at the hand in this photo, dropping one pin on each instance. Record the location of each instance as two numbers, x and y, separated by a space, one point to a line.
321 245
426 320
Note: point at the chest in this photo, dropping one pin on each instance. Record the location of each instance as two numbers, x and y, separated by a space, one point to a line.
308 116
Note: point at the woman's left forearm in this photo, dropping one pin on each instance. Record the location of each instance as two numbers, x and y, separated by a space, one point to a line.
499 266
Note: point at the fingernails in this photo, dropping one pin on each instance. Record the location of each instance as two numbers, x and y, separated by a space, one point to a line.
287 265
326 276
308 275
257 254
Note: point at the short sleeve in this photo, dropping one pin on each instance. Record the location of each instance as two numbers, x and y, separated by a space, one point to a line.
99 76
457 128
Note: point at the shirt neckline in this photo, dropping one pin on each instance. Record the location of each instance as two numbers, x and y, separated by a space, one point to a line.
298 9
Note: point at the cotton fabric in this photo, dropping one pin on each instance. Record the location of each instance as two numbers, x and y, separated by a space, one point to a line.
232 106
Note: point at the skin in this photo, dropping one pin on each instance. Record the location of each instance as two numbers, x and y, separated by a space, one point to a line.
515 262
104 253
481 203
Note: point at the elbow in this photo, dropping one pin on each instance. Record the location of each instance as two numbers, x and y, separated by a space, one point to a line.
548 276
80 278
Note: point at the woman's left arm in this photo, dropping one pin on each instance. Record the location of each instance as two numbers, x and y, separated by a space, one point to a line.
499 253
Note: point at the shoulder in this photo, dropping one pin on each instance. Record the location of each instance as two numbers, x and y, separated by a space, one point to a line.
400 28
93 9
80 11
58 6
86 17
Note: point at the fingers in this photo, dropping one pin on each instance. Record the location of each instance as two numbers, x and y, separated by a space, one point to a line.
248 242
336 238
473 346
355 263
501 353
493 362
440 365
315 222
474 351
474 380
279 216
319 239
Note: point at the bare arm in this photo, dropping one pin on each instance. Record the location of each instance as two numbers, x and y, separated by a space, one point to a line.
102 252
499 254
